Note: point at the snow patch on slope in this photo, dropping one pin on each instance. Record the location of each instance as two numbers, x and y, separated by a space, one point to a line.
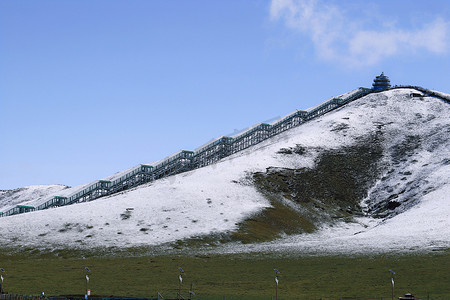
167 210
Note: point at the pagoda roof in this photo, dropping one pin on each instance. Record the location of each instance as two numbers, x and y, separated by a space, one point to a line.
381 83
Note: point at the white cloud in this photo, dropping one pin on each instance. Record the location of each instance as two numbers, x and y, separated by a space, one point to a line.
337 37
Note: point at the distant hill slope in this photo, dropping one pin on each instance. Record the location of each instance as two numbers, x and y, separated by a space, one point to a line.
345 181
32 193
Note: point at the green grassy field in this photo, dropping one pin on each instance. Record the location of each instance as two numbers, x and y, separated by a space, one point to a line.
232 276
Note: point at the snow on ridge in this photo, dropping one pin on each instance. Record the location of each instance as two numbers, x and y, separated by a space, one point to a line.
215 198
343 96
28 195
69 191
275 121
117 175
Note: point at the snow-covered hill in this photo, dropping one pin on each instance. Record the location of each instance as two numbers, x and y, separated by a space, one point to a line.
28 194
370 176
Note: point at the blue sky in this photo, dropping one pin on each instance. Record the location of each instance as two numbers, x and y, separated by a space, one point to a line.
89 88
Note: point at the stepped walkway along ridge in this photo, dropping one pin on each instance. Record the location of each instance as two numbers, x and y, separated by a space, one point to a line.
213 151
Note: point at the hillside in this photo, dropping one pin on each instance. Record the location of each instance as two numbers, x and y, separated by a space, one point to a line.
370 176
28 194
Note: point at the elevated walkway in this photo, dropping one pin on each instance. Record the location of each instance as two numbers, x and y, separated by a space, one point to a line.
210 153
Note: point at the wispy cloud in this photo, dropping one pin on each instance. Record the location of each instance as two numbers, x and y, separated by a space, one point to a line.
344 39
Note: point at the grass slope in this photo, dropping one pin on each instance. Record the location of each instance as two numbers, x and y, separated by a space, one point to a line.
303 199
232 276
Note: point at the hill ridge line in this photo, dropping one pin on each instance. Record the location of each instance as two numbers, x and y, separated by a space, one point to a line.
207 154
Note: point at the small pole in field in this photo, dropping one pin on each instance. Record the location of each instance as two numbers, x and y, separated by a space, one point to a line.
180 277
392 281
1 277
88 292
276 282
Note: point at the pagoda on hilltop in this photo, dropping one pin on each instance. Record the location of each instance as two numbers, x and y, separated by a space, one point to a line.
381 83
